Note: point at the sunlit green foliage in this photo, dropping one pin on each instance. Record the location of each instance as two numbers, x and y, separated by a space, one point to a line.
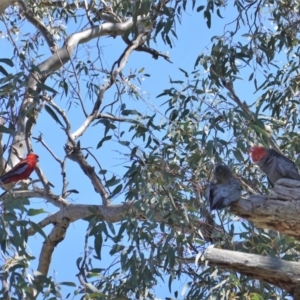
167 153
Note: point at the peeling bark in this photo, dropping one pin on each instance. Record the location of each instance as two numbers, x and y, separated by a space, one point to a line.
275 211
276 271
57 235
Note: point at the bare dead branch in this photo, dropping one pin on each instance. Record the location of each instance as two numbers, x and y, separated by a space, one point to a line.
56 200
40 139
155 54
46 184
62 113
276 271
279 211
110 117
75 154
56 236
116 213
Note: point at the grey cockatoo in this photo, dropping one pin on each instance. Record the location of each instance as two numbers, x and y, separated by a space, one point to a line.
224 189
273 164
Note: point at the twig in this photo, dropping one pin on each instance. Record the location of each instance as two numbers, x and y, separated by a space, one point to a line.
121 62
46 184
75 154
155 54
244 107
61 162
7 190
86 149
78 85
110 117
67 123
39 25
39 139
229 86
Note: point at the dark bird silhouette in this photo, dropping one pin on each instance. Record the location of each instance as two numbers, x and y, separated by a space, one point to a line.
224 188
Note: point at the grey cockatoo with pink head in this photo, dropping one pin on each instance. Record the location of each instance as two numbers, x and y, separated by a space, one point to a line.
273 164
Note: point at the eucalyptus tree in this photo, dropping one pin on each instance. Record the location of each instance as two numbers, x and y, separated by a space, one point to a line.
153 216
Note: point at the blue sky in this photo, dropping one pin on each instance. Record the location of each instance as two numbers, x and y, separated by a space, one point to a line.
190 43
193 38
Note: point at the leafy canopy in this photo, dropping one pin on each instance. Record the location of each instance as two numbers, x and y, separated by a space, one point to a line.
57 68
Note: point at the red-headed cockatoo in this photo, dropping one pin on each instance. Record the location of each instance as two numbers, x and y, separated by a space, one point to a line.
273 164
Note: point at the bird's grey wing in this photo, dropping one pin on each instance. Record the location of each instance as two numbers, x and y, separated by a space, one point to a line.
219 197
222 195
216 198
213 195
207 192
230 192
287 168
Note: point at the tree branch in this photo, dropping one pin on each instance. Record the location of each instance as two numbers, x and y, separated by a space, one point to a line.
276 271
116 213
56 235
4 4
155 54
56 200
122 62
62 113
58 59
279 211
110 117
75 154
